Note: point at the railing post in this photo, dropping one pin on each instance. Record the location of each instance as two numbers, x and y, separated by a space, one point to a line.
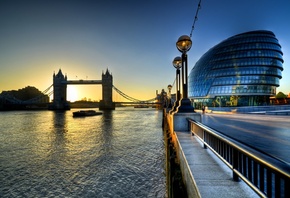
191 126
287 190
204 139
235 158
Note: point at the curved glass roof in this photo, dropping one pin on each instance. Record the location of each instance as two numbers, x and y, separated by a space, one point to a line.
250 63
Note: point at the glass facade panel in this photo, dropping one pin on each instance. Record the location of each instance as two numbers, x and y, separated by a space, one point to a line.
247 66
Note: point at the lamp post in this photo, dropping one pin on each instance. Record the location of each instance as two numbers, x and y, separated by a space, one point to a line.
164 98
177 63
169 87
183 44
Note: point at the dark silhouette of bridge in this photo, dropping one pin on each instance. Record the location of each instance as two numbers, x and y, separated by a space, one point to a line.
60 83
59 91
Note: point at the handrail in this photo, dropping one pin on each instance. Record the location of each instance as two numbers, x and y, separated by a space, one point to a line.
268 177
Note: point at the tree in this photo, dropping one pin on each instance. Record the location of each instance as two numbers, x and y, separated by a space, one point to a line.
281 95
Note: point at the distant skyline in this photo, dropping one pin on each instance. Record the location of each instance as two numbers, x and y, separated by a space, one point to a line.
135 40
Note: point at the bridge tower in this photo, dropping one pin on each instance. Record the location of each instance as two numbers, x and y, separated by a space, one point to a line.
107 83
59 92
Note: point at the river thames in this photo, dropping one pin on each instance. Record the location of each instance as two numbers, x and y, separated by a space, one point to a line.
51 154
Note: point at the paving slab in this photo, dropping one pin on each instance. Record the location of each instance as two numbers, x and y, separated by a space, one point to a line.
212 177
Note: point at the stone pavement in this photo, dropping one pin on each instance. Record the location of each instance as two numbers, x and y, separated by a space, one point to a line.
212 178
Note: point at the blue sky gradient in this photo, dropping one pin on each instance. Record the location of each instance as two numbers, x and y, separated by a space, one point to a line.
134 39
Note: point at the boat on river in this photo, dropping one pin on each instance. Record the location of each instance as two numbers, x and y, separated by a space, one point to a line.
83 113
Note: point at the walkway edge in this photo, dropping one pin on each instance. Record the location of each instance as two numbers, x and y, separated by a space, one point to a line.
202 175
191 186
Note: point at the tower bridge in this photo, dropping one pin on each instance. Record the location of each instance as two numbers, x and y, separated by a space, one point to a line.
60 83
59 91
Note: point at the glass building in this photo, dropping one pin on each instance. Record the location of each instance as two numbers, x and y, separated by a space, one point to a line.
243 70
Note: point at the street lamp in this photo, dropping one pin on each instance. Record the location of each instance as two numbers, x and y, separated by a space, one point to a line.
169 87
164 98
177 63
183 44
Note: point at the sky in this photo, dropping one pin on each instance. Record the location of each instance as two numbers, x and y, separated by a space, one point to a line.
133 39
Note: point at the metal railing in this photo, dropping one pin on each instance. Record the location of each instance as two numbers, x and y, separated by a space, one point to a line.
267 176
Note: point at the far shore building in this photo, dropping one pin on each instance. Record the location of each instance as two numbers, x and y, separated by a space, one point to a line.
243 70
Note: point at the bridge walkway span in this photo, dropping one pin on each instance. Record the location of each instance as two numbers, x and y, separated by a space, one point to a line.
82 82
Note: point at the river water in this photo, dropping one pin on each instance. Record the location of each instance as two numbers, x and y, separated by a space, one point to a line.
51 154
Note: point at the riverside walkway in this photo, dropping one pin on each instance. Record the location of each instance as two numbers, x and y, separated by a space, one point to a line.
212 178
208 174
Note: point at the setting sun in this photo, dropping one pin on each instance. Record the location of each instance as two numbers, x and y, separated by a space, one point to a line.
72 93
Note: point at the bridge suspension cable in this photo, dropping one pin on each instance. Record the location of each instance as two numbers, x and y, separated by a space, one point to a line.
45 91
131 98
10 98
40 97
50 93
